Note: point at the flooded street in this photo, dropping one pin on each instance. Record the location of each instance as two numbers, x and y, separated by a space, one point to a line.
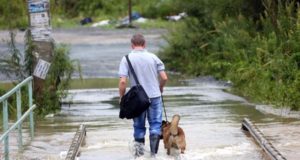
210 117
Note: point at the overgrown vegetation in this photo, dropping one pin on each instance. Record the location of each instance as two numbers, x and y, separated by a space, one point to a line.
17 67
12 65
253 44
68 13
13 14
57 81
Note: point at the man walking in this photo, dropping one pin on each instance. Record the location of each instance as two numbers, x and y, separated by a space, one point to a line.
151 74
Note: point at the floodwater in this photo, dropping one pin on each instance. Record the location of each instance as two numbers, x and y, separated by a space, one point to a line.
210 116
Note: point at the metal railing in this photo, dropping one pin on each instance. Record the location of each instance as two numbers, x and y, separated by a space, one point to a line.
259 137
20 118
78 140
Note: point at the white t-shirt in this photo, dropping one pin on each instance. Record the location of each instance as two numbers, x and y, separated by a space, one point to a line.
146 66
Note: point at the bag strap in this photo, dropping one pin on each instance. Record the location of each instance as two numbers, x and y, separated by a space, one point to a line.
132 71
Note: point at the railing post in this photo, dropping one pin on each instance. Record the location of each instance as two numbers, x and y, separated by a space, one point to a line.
31 113
5 128
19 115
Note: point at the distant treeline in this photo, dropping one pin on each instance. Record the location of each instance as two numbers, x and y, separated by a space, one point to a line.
14 12
254 44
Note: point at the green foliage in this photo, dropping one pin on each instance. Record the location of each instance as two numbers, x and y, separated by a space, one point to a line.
11 65
157 8
68 13
29 48
57 80
13 68
13 14
263 63
83 8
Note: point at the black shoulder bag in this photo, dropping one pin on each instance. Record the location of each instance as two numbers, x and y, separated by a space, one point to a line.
135 101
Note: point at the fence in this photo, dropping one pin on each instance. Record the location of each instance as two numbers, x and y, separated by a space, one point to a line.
20 118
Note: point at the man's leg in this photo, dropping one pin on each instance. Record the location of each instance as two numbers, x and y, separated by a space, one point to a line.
155 121
139 134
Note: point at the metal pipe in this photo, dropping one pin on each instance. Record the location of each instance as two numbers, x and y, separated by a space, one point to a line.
31 113
19 115
5 128
15 125
20 118
12 91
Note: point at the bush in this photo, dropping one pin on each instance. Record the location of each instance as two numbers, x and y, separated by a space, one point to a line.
262 62
57 81
15 12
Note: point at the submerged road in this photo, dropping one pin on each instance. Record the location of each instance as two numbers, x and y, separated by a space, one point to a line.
210 116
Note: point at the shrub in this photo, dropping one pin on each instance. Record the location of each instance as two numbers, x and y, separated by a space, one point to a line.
262 62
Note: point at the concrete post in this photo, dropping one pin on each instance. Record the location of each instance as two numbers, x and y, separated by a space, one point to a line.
40 29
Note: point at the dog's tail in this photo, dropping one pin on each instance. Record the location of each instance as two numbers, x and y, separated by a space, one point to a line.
174 124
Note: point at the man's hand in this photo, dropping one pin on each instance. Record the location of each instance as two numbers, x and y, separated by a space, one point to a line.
163 80
122 87
161 88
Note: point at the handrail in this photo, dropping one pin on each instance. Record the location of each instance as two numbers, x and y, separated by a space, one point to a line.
15 125
12 91
20 118
78 140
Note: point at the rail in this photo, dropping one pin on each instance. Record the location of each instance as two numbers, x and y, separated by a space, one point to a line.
20 118
78 140
273 153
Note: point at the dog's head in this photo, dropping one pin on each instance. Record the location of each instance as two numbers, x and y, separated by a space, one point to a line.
165 124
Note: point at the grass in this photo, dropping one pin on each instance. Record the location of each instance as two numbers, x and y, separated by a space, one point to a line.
59 22
68 23
6 86
92 83
156 23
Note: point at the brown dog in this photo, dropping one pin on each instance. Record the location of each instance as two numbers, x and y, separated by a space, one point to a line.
173 135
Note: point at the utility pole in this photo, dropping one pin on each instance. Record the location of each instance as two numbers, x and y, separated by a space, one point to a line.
40 31
129 13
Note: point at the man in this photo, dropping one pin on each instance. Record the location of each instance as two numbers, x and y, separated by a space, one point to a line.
151 75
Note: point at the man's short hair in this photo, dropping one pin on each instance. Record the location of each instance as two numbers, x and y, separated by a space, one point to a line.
138 40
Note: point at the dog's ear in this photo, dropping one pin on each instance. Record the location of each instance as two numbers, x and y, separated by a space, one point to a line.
165 123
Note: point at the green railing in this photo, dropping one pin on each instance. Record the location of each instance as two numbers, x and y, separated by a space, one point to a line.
20 118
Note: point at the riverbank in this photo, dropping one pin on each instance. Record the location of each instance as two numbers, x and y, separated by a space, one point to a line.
281 111
260 57
284 112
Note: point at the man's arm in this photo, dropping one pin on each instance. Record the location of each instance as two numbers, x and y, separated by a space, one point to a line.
163 80
122 87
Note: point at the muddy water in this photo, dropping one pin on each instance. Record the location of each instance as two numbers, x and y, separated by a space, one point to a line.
210 117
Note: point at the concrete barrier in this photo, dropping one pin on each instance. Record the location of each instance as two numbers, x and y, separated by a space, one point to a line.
272 152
